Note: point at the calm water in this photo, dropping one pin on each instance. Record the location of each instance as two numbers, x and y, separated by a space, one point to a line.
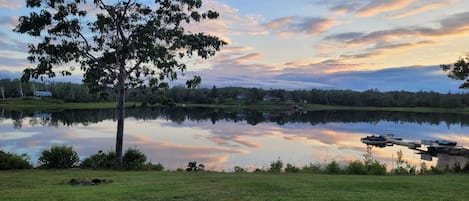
221 139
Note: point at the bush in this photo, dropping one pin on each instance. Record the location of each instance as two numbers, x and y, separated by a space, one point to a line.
376 168
13 161
276 166
312 168
58 157
291 168
133 159
239 169
193 167
356 167
99 160
154 167
333 168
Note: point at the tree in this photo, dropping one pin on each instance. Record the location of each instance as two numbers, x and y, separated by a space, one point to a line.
459 71
125 44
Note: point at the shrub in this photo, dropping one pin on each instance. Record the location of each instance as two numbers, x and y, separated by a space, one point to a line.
133 159
333 168
13 161
312 168
193 167
356 167
154 167
276 166
99 160
376 168
239 169
291 168
58 157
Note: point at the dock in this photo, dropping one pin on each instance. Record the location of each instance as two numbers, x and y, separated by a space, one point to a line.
448 152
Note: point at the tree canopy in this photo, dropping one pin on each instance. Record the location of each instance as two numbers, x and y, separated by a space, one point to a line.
459 71
117 44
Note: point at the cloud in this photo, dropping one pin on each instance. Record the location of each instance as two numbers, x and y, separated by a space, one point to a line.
9 22
11 4
380 6
456 24
413 10
229 23
280 22
383 49
294 25
345 8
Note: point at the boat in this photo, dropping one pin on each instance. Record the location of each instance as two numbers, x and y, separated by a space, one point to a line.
374 140
446 143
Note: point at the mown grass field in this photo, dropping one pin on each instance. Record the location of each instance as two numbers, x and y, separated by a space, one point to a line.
49 104
143 185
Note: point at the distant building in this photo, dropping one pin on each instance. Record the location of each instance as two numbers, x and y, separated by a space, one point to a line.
42 94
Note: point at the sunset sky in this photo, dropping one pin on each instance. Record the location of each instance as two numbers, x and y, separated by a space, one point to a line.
304 44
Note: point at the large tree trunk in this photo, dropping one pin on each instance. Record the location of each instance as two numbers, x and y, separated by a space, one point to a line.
120 115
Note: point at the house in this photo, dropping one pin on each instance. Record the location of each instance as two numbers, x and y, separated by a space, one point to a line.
42 94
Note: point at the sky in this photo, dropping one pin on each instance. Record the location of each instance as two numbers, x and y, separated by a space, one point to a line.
304 44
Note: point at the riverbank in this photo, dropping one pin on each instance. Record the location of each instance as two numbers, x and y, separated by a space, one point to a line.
149 185
54 104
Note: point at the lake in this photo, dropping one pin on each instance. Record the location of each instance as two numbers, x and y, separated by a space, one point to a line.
222 139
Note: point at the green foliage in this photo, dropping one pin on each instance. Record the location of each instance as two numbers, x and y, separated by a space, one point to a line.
376 168
239 169
193 167
153 167
13 161
276 166
312 168
133 159
291 168
99 160
403 167
333 168
356 167
459 71
58 157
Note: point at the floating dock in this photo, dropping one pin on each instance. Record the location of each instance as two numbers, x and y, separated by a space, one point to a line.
426 148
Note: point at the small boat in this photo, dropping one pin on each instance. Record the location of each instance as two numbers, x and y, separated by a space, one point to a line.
446 143
374 140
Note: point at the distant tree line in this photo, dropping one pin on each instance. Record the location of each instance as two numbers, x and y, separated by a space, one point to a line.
70 92
180 115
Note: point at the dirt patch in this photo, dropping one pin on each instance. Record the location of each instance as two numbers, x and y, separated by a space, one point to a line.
88 182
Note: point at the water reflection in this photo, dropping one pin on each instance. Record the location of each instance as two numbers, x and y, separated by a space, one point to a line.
222 139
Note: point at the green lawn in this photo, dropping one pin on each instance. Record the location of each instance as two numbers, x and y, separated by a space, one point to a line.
142 185
30 103
52 104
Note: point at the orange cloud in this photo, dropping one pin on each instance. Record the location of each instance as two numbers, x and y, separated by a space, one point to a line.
421 9
376 7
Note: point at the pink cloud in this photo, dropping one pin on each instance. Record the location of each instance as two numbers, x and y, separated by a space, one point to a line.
278 23
295 25
11 4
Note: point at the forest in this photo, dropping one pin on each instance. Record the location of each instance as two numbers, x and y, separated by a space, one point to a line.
163 94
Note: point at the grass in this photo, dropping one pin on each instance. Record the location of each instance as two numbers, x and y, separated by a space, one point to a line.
28 103
142 185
